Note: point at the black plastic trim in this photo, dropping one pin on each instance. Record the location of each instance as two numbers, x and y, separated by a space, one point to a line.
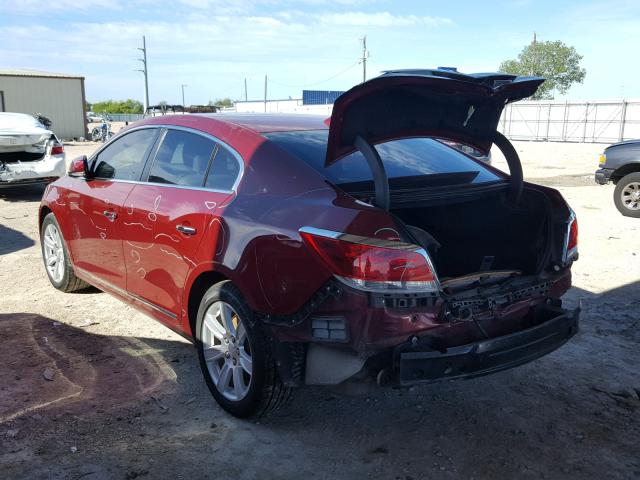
416 364
329 289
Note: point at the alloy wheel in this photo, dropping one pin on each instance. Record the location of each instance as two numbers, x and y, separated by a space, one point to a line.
631 196
53 253
227 351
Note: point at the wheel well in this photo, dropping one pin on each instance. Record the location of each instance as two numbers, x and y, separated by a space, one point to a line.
200 285
625 170
44 211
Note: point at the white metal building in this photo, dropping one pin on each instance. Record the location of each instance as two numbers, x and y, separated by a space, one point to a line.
57 96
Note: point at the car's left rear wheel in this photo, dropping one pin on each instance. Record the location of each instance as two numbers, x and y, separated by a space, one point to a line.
235 355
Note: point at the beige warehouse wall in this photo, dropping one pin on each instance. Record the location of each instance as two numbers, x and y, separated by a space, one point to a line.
59 99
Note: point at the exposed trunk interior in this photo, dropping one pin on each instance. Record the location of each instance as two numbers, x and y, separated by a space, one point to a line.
482 233
13 157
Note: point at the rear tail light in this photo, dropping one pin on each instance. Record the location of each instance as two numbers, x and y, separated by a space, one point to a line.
57 149
571 249
373 264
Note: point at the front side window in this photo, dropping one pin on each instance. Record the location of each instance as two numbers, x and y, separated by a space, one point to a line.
421 157
182 159
124 158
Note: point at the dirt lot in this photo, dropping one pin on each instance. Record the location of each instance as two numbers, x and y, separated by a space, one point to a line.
126 399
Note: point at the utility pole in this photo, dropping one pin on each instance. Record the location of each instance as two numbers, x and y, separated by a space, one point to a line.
265 94
245 90
145 72
365 54
182 86
535 53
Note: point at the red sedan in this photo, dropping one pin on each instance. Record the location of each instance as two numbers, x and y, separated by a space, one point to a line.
294 251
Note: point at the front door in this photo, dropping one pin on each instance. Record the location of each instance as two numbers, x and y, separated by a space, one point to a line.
97 210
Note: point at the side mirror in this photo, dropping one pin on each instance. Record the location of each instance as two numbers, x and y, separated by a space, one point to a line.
79 167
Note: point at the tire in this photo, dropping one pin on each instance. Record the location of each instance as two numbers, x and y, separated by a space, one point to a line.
96 134
626 195
55 256
244 393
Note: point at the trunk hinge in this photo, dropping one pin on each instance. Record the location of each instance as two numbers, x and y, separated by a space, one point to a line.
515 166
380 179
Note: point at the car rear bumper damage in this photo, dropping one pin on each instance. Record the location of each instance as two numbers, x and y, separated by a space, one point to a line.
352 336
47 169
416 364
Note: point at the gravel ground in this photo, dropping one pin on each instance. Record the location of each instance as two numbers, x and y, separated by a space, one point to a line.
92 389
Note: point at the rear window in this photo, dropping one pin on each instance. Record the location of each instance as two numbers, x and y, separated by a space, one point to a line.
411 157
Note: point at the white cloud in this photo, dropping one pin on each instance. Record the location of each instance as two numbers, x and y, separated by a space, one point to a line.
381 19
212 48
37 7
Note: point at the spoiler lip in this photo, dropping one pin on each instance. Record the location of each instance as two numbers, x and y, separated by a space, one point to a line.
414 102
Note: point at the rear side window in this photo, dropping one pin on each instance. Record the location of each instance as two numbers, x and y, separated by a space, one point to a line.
411 157
182 159
224 170
124 158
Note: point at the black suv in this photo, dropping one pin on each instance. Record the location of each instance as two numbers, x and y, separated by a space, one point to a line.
620 164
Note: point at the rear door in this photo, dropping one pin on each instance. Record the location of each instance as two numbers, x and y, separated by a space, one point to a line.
176 207
96 207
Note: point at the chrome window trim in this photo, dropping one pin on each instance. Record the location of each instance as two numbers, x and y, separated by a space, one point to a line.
218 141
166 185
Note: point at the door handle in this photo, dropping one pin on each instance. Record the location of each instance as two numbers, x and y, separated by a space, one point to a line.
186 230
110 214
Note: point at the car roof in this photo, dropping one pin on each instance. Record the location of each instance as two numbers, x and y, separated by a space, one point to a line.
271 122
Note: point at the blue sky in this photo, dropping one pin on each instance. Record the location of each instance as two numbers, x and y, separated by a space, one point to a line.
213 45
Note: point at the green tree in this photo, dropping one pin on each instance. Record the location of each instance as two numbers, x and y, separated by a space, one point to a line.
555 61
223 102
117 106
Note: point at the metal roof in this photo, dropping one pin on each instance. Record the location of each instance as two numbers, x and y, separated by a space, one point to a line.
23 72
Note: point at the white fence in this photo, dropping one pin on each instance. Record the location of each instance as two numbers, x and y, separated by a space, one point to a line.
282 106
591 122
588 121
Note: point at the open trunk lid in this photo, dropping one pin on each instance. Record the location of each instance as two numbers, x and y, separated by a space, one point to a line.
435 103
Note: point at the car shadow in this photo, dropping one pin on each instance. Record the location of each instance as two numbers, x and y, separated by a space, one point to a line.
46 365
22 193
12 240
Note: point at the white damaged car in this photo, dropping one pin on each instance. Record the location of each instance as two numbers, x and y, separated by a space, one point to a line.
29 152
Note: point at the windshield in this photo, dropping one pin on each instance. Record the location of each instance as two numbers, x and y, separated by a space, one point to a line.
404 158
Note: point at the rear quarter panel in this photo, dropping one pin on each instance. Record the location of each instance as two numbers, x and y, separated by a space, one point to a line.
263 252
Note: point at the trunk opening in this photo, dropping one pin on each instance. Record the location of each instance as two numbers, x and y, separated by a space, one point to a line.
14 157
485 232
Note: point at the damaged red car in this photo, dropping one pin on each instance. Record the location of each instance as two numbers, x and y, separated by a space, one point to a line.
297 251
